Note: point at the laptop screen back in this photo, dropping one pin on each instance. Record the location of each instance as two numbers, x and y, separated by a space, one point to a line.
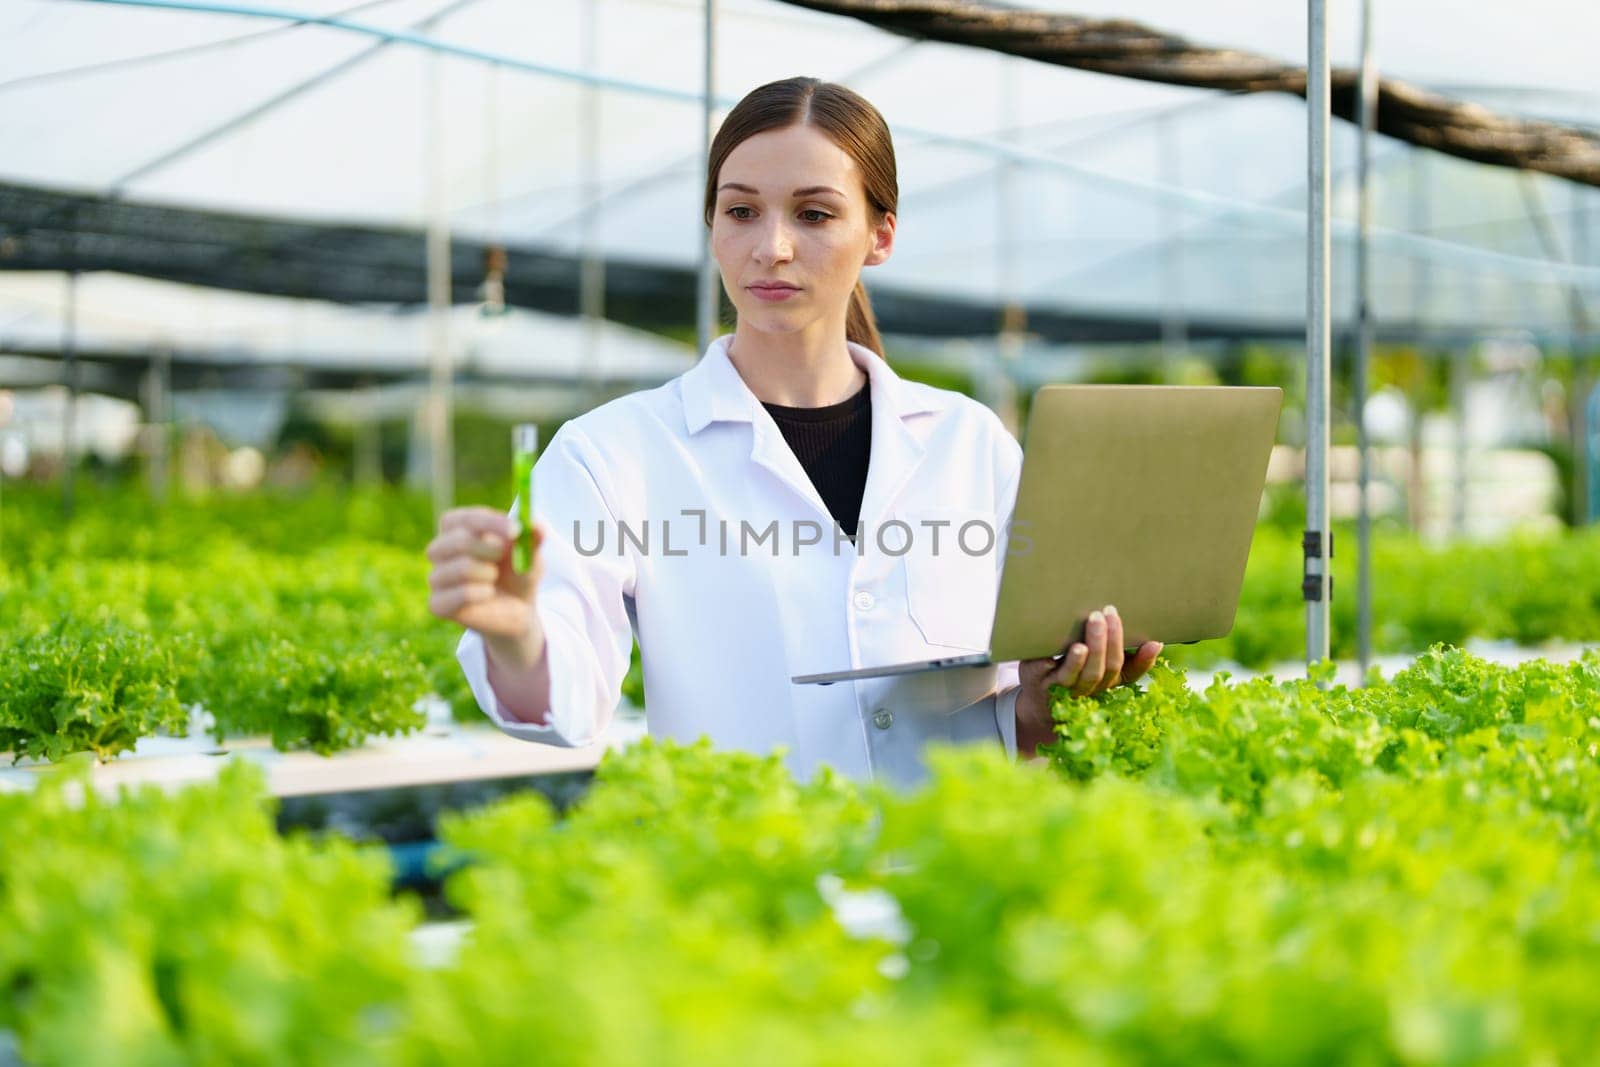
1145 497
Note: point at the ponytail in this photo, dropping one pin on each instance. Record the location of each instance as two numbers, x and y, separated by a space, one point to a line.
860 325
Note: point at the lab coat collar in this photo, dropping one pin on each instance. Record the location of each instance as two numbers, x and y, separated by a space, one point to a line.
713 391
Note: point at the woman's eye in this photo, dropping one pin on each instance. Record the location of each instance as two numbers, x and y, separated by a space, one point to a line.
820 216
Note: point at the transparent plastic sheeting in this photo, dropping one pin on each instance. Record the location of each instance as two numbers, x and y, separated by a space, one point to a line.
1134 198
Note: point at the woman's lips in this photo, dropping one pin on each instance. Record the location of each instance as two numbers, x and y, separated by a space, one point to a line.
772 295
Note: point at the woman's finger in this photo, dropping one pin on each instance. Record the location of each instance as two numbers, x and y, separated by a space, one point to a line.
447 603
1114 650
461 570
1071 666
447 545
1142 661
1094 666
461 541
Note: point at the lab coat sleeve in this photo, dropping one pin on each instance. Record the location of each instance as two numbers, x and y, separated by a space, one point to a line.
581 602
1008 684
1005 708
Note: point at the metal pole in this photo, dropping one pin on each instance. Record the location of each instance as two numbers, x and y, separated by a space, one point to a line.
1364 330
1460 365
1421 221
1174 325
1592 418
1583 453
1578 311
69 425
440 444
1317 545
368 437
709 296
7 406
158 390
1013 315
592 277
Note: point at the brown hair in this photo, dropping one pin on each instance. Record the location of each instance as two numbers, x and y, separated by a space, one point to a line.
852 124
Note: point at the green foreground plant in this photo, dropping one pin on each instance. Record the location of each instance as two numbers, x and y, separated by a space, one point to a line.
1258 873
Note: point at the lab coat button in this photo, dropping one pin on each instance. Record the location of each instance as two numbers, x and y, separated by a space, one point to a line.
864 600
883 718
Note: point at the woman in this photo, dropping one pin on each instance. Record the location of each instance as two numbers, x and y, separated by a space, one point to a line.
792 433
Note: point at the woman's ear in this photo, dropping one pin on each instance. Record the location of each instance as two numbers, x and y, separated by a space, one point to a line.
882 241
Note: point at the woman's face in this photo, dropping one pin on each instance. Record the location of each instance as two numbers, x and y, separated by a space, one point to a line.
791 210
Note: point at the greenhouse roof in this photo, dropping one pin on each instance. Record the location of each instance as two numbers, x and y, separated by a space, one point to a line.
1088 198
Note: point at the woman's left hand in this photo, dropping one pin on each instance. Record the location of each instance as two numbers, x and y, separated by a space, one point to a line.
1090 666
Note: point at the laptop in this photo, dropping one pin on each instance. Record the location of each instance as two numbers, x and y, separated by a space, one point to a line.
1142 496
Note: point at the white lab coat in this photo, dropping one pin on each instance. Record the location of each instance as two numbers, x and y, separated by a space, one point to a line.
721 631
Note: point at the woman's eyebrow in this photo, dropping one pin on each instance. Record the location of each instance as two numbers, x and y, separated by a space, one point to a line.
810 190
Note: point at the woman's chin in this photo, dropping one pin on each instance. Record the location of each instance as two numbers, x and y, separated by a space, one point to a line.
770 319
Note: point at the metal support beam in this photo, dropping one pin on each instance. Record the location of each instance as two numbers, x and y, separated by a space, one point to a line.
158 420
69 424
1420 214
1585 455
1174 325
232 124
1013 312
1580 319
592 278
1460 377
368 437
1318 545
1368 106
441 449
709 296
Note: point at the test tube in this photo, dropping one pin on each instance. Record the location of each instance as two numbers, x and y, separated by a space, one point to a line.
524 450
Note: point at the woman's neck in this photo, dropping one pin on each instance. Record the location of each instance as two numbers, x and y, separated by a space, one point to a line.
797 370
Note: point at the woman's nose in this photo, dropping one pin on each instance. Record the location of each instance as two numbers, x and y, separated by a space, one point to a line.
775 245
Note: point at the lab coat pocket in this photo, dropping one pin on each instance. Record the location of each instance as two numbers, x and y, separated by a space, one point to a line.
950 579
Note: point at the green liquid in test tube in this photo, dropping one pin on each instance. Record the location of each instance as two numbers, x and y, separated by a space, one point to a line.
524 448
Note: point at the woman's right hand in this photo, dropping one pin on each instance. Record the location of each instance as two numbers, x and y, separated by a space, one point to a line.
473 581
